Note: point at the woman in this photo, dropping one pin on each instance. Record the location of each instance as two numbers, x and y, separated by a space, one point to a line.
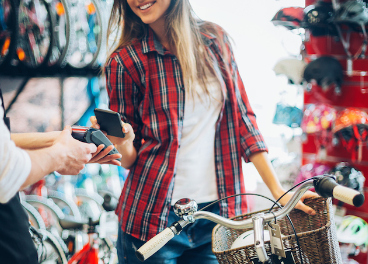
188 122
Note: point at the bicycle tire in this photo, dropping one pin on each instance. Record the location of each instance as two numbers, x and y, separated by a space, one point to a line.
59 55
52 208
26 54
76 56
34 216
6 59
59 198
56 244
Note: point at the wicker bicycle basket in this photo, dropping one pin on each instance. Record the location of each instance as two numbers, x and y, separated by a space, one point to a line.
316 234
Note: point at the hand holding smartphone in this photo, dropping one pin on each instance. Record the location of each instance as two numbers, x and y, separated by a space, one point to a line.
110 122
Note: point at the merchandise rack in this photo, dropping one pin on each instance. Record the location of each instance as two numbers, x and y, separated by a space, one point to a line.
354 93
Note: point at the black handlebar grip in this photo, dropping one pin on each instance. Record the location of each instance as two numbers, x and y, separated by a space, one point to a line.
326 186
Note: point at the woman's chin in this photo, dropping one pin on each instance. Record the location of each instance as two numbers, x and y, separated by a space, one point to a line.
148 20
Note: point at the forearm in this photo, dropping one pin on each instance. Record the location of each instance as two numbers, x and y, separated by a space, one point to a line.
265 169
44 161
128 153
34 140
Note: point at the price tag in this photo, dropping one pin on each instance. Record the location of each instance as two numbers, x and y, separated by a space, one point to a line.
277 247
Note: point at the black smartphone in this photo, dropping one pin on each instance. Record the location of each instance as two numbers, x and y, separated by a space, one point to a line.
110 122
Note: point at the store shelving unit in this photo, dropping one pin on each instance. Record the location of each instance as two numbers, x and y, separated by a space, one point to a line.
354 94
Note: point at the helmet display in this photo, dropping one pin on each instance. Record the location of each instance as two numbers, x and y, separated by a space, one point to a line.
292 68
318 118
353 230
290 116
349 118
325 71
289 17
310 170
352 11
351 127
348 176
318 19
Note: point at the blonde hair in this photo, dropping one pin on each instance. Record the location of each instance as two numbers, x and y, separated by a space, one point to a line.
183 31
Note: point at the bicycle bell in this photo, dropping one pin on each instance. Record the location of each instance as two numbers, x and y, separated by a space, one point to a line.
185 207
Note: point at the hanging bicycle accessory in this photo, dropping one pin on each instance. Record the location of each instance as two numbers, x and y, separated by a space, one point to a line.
353 230
89 30
318 120
290 116
352 13
351 128
313 242
348 176
311 170
8 31
289 17
35 33
325 71
317 18
292 68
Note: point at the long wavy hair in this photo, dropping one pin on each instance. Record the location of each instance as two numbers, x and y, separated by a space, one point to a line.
183 31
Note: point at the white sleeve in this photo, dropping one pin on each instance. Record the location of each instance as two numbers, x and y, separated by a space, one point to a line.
15 164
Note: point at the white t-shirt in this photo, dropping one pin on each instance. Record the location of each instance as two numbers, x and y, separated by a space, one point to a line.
15 164
195 165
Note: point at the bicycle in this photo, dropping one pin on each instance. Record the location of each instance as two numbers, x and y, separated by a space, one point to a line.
8 32
259 251
89 29
50 249
64 35
36 36
97 249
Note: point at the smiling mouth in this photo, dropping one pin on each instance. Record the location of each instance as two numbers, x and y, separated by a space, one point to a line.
146 6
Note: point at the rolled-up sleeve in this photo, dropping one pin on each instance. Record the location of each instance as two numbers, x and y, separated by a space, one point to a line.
15 164
251 139
123 96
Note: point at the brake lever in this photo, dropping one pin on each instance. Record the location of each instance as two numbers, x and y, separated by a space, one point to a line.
93 135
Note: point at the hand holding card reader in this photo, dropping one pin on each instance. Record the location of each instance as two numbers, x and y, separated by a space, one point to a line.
92 135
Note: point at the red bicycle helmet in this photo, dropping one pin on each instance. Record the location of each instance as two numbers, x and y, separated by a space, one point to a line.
318 120
351 127
289 17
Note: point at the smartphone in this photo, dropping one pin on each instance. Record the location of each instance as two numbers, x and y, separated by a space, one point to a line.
110 122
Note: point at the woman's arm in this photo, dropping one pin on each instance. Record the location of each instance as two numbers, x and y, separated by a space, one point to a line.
34 140
265 169
252 143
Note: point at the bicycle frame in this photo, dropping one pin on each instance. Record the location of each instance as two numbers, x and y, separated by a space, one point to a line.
88 254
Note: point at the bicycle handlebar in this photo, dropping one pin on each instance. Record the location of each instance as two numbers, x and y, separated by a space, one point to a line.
154 244
325 186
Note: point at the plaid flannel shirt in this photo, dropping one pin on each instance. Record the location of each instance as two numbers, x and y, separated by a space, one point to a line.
145 85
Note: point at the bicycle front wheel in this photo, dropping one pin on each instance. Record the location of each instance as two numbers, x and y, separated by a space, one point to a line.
35 33
63 35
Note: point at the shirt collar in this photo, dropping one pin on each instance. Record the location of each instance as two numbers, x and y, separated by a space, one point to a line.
151 43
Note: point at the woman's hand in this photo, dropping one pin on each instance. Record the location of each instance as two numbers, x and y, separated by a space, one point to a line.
127 129
102 157
300 205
